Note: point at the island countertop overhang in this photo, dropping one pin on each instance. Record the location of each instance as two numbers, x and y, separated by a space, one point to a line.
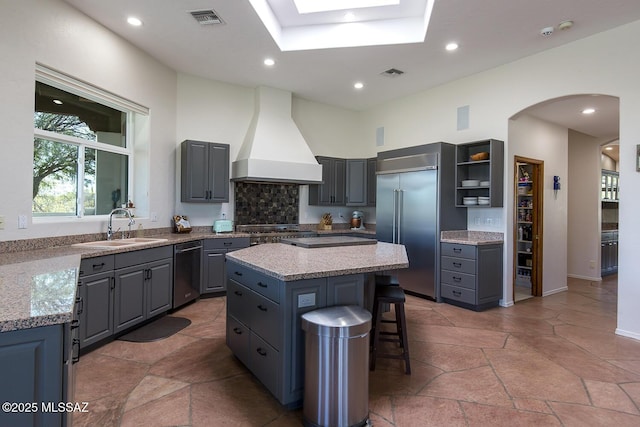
288 263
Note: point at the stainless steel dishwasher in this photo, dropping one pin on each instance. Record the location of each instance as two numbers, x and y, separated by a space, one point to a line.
187 273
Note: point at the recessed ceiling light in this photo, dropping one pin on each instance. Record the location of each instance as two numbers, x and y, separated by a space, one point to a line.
269 62
588 111
451 46
132 20
349 16
358 85
57 101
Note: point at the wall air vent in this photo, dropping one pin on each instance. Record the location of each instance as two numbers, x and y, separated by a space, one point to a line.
392 72
206 17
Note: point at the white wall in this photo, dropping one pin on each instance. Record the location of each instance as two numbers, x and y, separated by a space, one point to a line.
56 35
583 189
536 139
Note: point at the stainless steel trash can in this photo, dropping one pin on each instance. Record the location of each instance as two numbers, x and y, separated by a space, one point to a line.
336 374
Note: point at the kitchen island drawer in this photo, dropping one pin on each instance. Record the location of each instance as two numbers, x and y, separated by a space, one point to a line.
261 283
265 363
238 339
463 265
265 318
458 250
456 293
458 279
239 302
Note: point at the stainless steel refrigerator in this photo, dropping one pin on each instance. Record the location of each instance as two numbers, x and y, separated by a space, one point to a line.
415 201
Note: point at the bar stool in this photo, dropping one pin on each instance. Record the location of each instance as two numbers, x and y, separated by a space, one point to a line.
391 294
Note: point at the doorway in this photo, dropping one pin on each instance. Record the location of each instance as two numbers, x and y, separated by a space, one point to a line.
528 220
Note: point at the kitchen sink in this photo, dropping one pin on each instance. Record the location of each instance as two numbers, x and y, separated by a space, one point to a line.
120 243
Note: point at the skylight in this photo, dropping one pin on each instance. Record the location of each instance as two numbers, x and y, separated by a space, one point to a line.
320 24
313 6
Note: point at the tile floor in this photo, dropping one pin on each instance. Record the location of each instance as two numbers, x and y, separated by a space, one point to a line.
544 362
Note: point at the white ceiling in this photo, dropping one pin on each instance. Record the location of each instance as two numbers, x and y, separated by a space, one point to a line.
489 32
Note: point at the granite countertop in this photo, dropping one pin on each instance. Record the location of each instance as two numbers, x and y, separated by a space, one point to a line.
286 262
467 237
328 241
38 293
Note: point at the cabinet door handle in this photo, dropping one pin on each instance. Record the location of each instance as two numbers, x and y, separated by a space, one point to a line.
457 264
237 273
227 243
237 331
76 353
457 250
95 266
75 324
457 279
262 308
80 303
263 285
456 293
261 352
238 293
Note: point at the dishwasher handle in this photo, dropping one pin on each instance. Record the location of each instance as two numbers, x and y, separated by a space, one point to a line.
188 247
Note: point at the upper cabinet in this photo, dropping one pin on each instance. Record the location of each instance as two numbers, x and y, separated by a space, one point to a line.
356 182
479 173
371 181
204 172
610 186
332 189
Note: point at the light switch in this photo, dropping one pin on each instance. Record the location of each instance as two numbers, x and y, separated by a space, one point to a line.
22 221
1 222
306 300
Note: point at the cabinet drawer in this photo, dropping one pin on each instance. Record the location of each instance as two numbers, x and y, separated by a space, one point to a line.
231 243
260 283
463 265
458 279
239 302
457 250
238 338
456 293
264 363
143 256
264 319
96 265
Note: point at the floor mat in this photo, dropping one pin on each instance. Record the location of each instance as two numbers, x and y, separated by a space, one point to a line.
157 330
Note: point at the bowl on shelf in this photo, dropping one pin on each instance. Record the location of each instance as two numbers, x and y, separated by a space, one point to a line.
484 183
470 183
483 155
469 200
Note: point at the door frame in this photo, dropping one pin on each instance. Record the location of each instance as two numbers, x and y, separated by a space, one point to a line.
537 229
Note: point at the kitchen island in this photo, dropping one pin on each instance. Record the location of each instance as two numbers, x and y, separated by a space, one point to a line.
270 286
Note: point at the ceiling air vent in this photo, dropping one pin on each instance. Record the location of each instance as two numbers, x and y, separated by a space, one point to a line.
392 72
206 17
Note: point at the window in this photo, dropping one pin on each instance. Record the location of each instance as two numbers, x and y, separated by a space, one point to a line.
83 149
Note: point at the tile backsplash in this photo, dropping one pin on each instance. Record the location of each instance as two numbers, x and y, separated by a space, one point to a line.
266 203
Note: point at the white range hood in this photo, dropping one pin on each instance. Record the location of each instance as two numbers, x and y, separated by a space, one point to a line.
274 149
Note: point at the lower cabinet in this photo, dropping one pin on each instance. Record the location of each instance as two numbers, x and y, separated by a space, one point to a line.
264 326
214 277
471 275
32 372
136 286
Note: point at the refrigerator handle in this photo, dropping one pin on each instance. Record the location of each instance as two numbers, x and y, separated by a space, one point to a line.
400 202
395 205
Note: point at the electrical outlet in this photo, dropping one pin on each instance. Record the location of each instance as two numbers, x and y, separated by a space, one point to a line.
1 222
592 264
154 216
306 300
22 221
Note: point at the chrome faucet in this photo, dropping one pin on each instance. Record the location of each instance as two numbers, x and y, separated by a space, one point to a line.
110 228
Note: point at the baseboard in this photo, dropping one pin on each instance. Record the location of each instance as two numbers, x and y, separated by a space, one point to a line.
591 279
555 291
504 303
634 335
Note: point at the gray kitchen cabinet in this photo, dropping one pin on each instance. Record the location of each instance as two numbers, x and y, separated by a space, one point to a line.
609 253
214 263
332 189
31 368
95 289
143 285
356 182
204 172
471 275
264 327
371 181
488 172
